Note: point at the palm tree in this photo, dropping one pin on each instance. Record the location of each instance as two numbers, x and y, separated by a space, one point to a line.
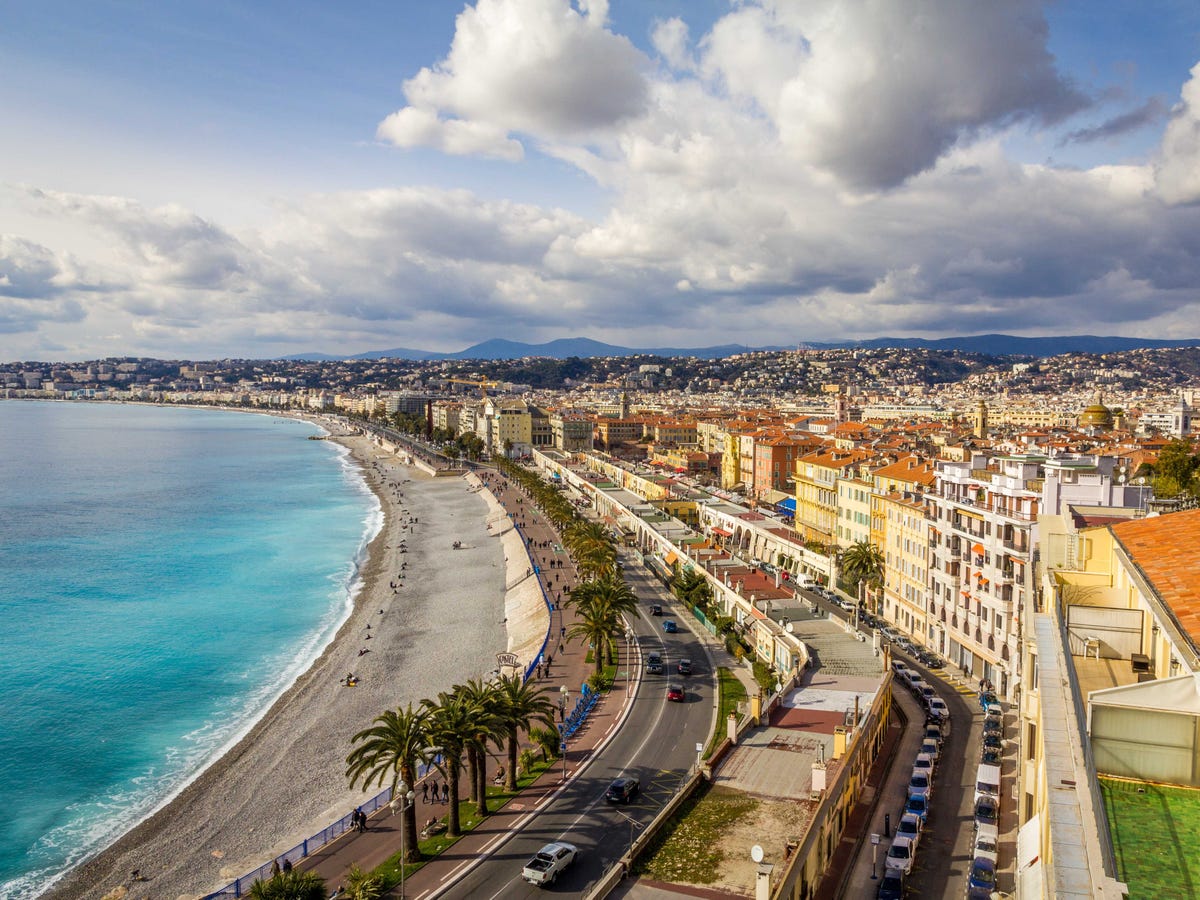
692 588
394 746
450 727
605 600
292 885
361 885
486 728
520 705
862 564
599 625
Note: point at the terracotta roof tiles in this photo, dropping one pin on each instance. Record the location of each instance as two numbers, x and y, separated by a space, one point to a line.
1167 549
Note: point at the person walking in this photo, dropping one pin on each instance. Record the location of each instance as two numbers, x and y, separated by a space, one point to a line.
424 791
446 792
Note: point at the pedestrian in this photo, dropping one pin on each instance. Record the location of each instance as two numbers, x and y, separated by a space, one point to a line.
446 792
539 670
425 792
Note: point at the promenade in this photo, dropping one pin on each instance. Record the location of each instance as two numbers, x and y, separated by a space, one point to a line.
382 838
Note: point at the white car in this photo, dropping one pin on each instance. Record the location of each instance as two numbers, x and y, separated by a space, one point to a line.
549 862
900 855
985 846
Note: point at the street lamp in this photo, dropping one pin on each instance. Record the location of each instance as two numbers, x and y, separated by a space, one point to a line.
563 693
406 796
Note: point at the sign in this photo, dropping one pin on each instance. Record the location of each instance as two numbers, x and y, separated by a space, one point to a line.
507 659
874 839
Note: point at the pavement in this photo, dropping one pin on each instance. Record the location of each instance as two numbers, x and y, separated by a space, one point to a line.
382 838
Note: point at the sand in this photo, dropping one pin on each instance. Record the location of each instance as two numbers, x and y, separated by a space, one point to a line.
285 780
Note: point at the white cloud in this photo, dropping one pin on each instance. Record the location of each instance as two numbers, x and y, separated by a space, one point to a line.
534 67
1179 168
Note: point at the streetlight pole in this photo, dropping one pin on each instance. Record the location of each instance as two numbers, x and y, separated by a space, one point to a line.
564 697
407 796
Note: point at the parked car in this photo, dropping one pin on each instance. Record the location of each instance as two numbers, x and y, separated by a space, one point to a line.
926 693
656 609
904 644
924 763
985 848
992 742
684 666
930 660
990 756
983 875
623 790
930 747
675 693
986 697
889 633
910 826
938 709
987 815
917 806
900 855
993 725
669 626
654 663
920 783
933 731
898 667
891 885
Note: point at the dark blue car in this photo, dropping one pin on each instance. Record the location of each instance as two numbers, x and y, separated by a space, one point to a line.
669 626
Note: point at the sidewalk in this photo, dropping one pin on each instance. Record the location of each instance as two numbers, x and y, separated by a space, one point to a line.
382 837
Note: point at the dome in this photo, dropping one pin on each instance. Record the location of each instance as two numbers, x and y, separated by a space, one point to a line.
1097 415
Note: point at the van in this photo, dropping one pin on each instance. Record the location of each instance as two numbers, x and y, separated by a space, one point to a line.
987 781
804 581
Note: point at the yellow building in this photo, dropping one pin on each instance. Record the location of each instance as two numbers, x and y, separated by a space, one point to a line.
906 563
816 481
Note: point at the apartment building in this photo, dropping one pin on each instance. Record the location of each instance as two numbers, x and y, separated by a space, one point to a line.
816 485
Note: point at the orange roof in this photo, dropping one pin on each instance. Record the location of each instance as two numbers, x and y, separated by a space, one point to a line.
1167 549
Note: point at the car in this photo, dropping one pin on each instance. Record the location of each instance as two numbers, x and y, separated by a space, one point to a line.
983 875
910 826
923 763
920 783
987 814
985 848
891 885
889 633
930 660
986 697
898 667
654 663
938 709
623 789
669 626
684 667
900 855
917 806
926 693
993 725
930 747
934 732
549 862
993 742
905 644
675 693
990 756
656 609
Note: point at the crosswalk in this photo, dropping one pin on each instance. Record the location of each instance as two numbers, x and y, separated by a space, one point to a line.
953 681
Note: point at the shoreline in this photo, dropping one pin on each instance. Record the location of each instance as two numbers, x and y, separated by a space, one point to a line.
284 779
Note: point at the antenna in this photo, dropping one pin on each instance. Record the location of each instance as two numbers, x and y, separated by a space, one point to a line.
756 853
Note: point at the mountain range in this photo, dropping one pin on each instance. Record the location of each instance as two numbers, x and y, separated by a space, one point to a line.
565 348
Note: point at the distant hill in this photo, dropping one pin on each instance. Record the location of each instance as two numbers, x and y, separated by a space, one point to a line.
565 348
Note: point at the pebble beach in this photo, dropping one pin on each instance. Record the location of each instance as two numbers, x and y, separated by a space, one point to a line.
427 616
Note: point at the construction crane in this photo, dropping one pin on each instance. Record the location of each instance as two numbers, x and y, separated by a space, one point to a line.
482 384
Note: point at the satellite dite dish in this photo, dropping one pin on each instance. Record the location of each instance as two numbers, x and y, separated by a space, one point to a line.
756 853
790 628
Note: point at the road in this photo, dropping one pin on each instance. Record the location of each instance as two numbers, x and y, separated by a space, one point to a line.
657 744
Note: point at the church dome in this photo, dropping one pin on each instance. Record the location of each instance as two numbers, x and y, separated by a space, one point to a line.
1097 415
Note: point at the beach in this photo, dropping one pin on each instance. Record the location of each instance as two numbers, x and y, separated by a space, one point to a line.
436 617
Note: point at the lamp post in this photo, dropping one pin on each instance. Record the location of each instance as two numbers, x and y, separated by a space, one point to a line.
564 696
407 796
563 693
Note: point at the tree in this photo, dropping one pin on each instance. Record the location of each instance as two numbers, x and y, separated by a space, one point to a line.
692 588
292 885
361 885
395 745
1175 469
521 704
486 728
604 601
450 727
862 564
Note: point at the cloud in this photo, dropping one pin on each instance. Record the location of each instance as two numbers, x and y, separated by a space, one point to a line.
1178 170
1149 113
540 68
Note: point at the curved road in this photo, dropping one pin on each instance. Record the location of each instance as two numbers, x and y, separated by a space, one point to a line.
657 743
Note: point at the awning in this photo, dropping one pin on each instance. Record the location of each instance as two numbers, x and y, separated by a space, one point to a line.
672 558
966 593
788 505
723 532
977 549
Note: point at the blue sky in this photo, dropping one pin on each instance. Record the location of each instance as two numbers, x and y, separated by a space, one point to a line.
254 179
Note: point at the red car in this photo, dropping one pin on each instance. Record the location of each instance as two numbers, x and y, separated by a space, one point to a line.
675 693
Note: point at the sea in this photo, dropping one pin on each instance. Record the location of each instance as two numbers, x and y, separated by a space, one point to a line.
165 574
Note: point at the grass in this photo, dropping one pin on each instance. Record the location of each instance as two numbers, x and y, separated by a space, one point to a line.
689 848
1156 837
730 692
389 869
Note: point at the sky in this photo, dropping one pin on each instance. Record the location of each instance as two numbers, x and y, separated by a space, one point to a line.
214 178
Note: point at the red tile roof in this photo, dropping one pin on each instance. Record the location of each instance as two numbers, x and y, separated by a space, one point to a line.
1167 549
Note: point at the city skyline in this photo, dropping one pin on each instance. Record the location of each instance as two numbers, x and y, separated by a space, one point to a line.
207 181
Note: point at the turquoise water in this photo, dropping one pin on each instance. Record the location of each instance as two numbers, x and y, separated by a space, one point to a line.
164 574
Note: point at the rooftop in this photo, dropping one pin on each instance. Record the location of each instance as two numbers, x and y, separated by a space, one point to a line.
1167 550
